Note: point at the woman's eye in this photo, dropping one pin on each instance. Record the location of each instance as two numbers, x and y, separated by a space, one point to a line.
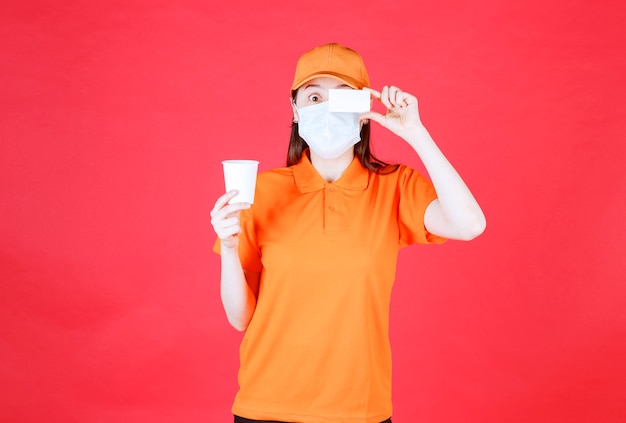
314 98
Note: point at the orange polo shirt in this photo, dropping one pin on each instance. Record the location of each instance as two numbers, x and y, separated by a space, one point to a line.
317 348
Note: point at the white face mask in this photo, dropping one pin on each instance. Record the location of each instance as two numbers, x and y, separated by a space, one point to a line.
328 134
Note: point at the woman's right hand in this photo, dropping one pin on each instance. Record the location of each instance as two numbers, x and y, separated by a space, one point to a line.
225 219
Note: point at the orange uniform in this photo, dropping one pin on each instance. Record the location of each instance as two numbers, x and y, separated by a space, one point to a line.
317 348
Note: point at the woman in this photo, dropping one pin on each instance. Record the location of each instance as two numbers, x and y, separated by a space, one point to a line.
307 270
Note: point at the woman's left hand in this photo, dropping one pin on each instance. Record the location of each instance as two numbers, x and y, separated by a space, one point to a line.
402 116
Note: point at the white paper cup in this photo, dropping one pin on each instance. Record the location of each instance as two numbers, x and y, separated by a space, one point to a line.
241 175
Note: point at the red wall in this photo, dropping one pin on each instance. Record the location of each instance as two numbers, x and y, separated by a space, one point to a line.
114 117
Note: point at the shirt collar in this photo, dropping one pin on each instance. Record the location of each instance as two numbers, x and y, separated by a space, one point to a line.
308 179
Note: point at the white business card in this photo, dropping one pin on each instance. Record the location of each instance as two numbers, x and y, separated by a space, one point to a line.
352 101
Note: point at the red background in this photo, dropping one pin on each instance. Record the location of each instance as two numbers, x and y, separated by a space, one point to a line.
114 117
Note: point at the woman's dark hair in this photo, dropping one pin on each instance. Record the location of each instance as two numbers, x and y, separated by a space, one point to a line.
362 151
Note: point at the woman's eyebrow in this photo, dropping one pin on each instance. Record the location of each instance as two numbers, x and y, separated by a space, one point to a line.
318 86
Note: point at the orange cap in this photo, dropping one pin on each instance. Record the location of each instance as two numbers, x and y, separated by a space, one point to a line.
333 60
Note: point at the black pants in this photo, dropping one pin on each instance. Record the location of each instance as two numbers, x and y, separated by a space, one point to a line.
244 420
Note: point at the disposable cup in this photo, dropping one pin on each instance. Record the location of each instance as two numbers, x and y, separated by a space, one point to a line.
241 175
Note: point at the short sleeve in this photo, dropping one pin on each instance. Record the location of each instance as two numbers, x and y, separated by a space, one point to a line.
248 248
416 193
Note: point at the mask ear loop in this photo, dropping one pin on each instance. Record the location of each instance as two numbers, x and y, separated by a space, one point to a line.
295 110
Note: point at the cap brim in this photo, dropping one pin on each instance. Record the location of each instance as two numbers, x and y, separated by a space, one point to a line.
348 81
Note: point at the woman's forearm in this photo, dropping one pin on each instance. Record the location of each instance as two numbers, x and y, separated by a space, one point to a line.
238 298
457 213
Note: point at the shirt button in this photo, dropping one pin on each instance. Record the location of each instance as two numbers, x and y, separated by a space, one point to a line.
332 189
331 208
